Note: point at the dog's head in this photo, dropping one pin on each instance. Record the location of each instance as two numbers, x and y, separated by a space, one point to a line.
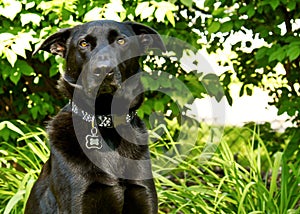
100 55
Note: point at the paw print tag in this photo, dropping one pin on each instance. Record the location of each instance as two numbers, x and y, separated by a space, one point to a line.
93 141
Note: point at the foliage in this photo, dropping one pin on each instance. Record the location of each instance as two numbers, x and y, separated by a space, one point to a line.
20 164
24 24
224 185
274 23
274 65
214 22
253 181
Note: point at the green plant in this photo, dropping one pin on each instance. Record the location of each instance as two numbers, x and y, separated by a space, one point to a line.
256 182
20 163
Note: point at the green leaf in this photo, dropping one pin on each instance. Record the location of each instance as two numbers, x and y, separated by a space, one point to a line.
239 23
227 78
261 53
278 55
274 4
159 106
15 77
14 200
214 27
25 69
209 3
175 108
251 11
284 106
219 13
5 69
34 111
146 108
228 97
293 144
281 55
212 85
170 17
291 5
14 128
188 3
275 173
181 25
53 71
226 27
293 52
248 91
243 9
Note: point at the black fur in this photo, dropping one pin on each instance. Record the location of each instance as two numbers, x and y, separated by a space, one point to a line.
70 182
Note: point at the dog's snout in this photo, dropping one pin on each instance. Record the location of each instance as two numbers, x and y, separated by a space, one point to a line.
104 65
103 68
104 57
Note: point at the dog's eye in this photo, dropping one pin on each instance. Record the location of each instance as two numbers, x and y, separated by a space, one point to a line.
84 43
121 41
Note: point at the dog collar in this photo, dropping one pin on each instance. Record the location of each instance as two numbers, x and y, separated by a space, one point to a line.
103 121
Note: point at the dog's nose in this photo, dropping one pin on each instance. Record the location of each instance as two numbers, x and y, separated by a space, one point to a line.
103 68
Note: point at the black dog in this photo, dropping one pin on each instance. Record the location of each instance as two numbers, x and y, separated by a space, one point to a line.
93 168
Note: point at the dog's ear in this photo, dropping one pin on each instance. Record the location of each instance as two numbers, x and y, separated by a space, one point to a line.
149 37
56 43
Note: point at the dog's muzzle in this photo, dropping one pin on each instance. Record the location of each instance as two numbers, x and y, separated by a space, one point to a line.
100 76
103 78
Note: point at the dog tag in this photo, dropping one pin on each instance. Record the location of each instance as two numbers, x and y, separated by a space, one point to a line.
93 141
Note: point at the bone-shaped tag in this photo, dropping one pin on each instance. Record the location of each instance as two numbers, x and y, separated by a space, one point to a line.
93 141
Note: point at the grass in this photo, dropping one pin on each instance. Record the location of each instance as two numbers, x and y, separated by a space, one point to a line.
251 181
20 163
238 178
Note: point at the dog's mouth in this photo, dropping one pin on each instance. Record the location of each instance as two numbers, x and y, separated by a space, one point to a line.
103 80
72 82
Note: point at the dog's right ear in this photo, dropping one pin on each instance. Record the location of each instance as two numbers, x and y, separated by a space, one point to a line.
56 43
149 37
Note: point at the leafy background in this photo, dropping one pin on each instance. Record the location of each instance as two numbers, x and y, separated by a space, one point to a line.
254 168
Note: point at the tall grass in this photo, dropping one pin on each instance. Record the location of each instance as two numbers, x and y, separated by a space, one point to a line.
251 181
20 163
239 179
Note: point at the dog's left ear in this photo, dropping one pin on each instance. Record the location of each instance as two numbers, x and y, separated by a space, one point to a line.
149 37
56 43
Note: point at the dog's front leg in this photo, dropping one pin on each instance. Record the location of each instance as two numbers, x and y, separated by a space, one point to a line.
140 199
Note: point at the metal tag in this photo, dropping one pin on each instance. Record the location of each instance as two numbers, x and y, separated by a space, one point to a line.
93 141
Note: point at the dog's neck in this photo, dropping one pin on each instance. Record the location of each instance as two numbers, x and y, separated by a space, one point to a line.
103 121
